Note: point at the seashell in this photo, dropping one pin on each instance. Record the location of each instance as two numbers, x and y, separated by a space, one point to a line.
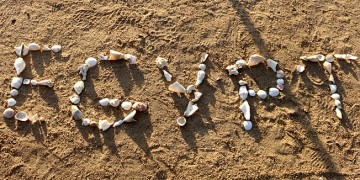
280 74
86 122
75 99
247 125
321 57
245 108
76 113
338 103
200 77
327 66
167 75
46 82
161 62
181 121
114 102
126 105
131 58
280 81
18 50
104 125
351 57
8 113
56 48
16 82
252 92
314 58
114 55
340 56
21 116
241 63
272 64
128 118
44 48
104 102
204 56
79 87
338 113
242 83
232 69
243 92
255 60
25 50
202 67
26 81
190 109
14 92
103 57
177 87
11 102
83 71
34 47
329 58
335 96
190 88
19 65
91 62
262 94
300 68
140 106
280 87
332 79
273 92
197 96
118 123
333 88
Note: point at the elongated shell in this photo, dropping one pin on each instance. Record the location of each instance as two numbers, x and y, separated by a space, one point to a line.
79 87
340 56
21 116
177 87
18 49
190 109
161 62
56 48
327 66
115 55
167 75
19 65
255 60
351 57
104 125
130 117
16 82
47 82
204 56
44 48
272 64
245 108
243 92
34 47
200 77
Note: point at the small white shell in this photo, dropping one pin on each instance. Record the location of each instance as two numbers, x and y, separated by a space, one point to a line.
104 125
177 87
245 108
338 104
75 99
76 113
25 51
338 113
34 47
114 102
16 82
327 66
18 50
91 62
242 83
351 57
280 74
247 125
241 63
300 68
167 75
104 102
21 116
329 58
200 77
8 113
14 92
340 56
252 92
197 96
131 58
232 69
204 56
126 105
262 94
161 62
280 81
332 79
273 92
321 57
335 96
118 123
56 48
181 121
243 92
190 109
280 87
255 60
190 88
79 87
333 88
11 102
19 65
86 122
202 67
26 81
272 64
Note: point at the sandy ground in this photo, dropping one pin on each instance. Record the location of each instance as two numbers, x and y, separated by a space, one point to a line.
294 136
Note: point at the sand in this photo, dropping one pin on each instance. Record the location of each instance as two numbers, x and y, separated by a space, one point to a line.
294 136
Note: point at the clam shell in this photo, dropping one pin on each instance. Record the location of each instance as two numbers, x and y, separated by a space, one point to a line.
327 66
161 62
190 109
190 88
338 113
232 69
21 116
167 75
79 87
255 60
197 96
8 113
280 81
11 102
131 58
126 105
329 58
16 82
204 56
34 47
140 106
200 77
274 92
247 125
333 88
76 113
104 102
14 92
202 67
177 87
272 64
75 99
262 94
19 65
104 125
241 63
336 96
252 92
56 48
91 62
280 74
181 121
114 102
243 92
245 109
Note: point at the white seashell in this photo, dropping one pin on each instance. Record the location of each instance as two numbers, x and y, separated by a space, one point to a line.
272 64
351 57
262 94
21 116
241 63
245 108
76 113
34 47
103 57
327 66
280 74
332 79
130 117
340 56
321 57
333 88
26 81
91 62
338 113
300 68
14 92
247 125
181 121
190 109
131 58
118 123
252 92
200 77
18 50
335 96
11 102
19 65
75 99
83 71
232 69
115 55
25 50
161 62
104 125
242 83
167 75
16 82
177 87
338 103
56 48
114 102
255 60
280 87
197 96
273 92
104 102
190 88
314 58
140 106
280 81
44 48
86 122
329 58
8 113
79 87
202 67
46 82
204 56
126 105
243 92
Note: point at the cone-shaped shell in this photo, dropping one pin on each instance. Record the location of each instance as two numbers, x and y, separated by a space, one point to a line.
44 48
177 87
191 109
104 125
255 60
181 121
25 51
19 65
332 79
327 66
16 82
200 77
167 75
79 87
245 108
272 64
